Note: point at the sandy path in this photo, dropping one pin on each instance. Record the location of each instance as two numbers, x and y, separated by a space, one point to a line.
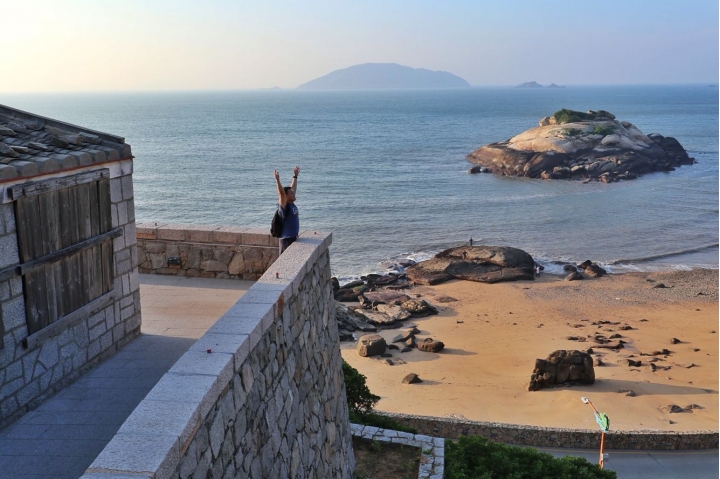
494 333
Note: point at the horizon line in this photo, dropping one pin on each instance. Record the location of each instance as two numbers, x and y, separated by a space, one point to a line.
275 88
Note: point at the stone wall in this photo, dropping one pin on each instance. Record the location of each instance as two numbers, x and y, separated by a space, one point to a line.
31 373
261 394
205 251
555 437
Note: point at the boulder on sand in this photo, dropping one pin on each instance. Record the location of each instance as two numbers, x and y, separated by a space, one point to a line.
485 264
561 367
371 345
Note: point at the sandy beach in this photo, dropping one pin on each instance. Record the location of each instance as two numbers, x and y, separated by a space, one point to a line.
494 332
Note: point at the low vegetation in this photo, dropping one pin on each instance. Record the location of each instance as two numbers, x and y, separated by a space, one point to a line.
603 130
378 460
479 458
572 116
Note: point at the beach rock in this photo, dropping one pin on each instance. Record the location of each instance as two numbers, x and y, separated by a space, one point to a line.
350 294
404 336
381 280
574 276
371 345
386 297
560 367
594 270
634 364
419 307
430 345
672 408
348 319
485 264
395 312
569 268
674 341
411 378
584 264
375 317
591 146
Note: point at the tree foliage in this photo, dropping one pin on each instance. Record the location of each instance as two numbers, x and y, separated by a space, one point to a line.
477 457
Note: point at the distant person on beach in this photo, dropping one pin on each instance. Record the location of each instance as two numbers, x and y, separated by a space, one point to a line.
288 210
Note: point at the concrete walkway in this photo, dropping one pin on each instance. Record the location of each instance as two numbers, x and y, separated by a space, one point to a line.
61 438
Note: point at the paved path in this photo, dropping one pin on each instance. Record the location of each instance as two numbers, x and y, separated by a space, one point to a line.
61 438
652 464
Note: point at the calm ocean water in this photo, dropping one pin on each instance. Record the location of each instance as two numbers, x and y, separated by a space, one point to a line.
386 172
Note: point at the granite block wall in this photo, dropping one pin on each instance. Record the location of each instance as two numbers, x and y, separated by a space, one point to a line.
224 252
28 375
261 394
521 435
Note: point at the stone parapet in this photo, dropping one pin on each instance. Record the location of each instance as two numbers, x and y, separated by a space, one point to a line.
224 252
520 435
261 394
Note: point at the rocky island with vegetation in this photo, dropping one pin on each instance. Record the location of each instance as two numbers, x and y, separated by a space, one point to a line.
590 146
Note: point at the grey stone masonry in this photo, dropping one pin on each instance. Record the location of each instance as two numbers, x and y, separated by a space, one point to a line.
224 252
260 395
29 375
520 435
32 145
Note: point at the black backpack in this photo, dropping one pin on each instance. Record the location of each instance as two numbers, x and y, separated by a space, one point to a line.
276 226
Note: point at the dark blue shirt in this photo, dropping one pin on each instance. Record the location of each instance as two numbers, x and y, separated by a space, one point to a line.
291 221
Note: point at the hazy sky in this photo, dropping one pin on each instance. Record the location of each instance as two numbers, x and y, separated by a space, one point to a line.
91 45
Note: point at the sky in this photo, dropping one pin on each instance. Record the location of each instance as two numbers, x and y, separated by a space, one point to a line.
150 45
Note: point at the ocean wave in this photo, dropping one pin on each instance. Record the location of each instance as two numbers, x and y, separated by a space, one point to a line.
663 255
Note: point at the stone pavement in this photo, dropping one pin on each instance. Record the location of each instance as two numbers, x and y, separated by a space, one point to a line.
62 437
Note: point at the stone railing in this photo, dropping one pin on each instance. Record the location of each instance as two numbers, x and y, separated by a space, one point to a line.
261 394
520 435
205 251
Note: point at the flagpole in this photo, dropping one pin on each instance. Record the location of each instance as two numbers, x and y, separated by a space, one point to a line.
601 461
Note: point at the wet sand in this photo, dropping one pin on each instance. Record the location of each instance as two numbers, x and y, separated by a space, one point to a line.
494 332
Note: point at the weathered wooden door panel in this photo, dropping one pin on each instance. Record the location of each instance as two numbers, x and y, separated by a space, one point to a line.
50 222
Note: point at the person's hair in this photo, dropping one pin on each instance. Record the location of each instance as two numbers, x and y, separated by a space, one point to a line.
287 189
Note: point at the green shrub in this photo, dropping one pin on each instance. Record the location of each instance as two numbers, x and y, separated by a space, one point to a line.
479 458
361 402
360 399
571 116
603 130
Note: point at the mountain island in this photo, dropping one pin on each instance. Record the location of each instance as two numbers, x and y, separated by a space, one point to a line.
590 146
374 76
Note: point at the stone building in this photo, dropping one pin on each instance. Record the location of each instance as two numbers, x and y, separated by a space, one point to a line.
69 291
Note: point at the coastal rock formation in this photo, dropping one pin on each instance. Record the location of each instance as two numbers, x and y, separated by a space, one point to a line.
591 146
561 367
485 264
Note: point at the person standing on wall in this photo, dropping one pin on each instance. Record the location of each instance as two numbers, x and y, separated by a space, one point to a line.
288 210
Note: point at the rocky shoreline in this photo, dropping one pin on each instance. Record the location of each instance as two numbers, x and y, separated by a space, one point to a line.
590 146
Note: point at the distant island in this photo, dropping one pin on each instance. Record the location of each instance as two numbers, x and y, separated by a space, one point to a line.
373 76
534 84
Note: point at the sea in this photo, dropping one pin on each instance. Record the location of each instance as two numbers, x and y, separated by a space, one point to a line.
386 171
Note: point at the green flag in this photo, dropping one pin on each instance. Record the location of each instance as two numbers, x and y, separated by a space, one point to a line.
603 421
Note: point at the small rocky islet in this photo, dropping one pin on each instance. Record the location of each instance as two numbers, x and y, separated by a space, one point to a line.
590 146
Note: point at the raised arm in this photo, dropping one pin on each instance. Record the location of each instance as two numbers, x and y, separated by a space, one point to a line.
293 183
280 191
